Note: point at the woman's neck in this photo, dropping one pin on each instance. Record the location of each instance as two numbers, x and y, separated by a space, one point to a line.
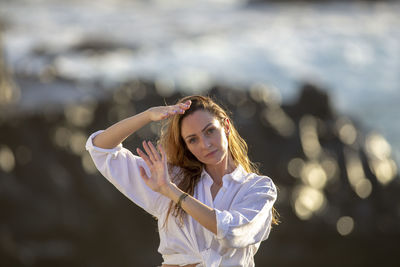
217 171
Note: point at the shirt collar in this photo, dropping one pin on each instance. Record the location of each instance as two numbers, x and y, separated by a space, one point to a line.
239 175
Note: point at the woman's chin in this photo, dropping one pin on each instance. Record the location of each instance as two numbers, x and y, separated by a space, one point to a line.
214 160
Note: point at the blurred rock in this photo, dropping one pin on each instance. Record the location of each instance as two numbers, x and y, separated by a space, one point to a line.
313 101
338 191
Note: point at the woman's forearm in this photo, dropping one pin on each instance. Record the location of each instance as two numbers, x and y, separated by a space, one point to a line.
118 132
200 212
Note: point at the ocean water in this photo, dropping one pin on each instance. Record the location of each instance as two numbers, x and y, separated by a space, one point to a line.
351 49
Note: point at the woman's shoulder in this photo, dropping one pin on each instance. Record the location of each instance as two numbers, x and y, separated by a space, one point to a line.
256 188
259 180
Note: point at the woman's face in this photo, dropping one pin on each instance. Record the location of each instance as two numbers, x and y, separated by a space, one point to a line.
205 137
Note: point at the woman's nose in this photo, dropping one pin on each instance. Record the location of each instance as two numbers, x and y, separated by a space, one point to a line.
206 143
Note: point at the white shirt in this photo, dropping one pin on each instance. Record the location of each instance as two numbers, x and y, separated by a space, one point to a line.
243 209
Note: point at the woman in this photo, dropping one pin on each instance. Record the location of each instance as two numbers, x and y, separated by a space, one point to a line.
212 207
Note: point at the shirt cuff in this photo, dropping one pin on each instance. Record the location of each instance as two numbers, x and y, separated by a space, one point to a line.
223 220
90 146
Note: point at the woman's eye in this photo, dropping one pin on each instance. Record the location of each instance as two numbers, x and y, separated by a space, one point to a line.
210 130
192 140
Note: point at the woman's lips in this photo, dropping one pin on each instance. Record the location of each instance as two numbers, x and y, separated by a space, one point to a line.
211 153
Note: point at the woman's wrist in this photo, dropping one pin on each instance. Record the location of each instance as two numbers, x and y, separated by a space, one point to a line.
181 198
151 114
147 114
172 192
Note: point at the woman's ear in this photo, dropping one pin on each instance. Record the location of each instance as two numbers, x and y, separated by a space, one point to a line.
227 126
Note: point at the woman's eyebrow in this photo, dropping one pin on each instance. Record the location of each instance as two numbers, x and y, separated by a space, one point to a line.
205 127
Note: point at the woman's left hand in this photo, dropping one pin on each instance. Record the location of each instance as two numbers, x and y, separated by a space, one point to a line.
159 180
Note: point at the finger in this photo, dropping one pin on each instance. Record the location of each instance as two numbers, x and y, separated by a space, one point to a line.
154 150
143 155
148 151
143 174
169 112
185 105
179 109
174 110
165 115
163 155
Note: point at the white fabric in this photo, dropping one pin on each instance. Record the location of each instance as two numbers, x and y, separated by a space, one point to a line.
243 209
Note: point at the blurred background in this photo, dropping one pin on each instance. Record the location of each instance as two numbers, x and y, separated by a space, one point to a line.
313 87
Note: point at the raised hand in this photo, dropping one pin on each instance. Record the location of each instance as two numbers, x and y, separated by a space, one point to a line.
163 112
159 179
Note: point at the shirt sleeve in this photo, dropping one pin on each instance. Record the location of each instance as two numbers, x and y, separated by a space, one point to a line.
248 221
121 168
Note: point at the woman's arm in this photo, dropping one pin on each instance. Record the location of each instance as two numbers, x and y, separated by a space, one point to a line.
117 133
160 182
119 165
200 212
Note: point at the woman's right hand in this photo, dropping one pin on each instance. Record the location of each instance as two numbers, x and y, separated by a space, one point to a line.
164 112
